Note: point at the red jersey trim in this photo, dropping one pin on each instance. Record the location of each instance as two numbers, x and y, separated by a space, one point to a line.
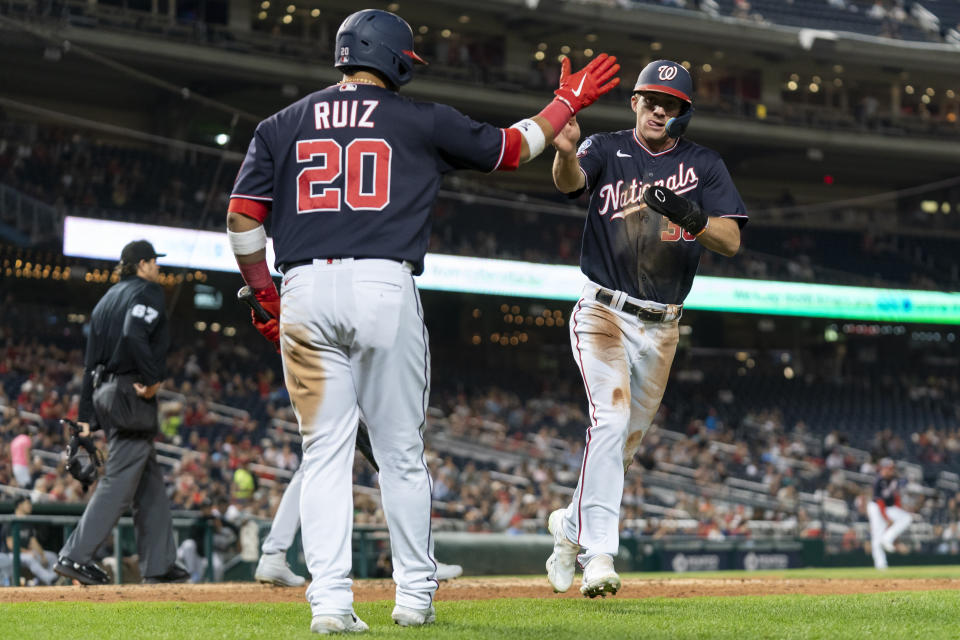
256 210
636 139
510 150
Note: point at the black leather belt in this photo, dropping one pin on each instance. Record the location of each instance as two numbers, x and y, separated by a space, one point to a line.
286 266
650 315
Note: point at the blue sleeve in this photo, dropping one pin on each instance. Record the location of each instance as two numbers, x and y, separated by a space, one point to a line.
592 160
464 143
719 197
255 179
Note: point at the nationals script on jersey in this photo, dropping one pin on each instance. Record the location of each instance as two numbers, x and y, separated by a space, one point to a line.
630 248
353 171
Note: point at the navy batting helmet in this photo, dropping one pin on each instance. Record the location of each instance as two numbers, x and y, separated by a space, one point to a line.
666 76
378 40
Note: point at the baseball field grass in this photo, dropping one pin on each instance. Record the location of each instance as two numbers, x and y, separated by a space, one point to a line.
898 613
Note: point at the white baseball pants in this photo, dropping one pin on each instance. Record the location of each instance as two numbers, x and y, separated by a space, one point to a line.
286 521
625 363
880 532
196 564
354 345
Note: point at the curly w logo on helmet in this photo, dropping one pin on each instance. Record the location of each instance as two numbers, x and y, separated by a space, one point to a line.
667 72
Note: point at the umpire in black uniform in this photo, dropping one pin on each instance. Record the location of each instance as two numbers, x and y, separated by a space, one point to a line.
124 366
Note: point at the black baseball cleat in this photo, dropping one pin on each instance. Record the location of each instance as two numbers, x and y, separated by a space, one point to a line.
175 573
88 574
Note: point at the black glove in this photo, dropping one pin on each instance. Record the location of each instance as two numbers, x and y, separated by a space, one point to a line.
677 209
83 457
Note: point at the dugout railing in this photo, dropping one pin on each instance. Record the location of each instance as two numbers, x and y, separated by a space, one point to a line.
68 523
519 554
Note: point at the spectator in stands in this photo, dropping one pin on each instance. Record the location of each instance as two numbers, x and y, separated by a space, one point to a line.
20 459
6 566
244 481
224 536
32 555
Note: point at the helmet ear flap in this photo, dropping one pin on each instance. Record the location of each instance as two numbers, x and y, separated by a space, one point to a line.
677 125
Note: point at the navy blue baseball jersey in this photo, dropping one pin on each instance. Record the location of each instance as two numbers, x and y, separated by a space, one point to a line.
630 248
353 171
887 491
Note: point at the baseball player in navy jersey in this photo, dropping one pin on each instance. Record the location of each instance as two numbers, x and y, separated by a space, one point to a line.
656 201
349 175
887 518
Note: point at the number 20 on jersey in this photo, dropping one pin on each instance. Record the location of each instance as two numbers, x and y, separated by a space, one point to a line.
361 155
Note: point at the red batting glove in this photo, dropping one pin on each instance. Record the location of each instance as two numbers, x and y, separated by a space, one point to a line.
581 89
269 299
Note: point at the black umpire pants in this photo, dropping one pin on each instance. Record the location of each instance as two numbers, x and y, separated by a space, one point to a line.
132 476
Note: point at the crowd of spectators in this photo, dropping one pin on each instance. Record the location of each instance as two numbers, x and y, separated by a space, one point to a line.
898 19
468 55
503 459
80 174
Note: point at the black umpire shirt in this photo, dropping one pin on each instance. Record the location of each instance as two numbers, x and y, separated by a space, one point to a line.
128 335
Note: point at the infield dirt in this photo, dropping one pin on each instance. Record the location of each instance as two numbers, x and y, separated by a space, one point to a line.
475 589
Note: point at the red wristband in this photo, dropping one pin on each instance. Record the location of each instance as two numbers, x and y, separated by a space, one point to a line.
557 113
257 275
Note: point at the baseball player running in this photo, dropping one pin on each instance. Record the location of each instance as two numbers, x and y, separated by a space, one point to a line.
349 175
656 201
887 519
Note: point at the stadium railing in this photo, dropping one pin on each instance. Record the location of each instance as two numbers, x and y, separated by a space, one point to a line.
27 215
69 522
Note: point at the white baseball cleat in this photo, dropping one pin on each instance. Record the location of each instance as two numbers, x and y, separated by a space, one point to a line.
407 617
273 569
600 578
562 563
448 571
338 623
888 547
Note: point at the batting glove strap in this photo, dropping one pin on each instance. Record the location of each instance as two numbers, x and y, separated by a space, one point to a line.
680 211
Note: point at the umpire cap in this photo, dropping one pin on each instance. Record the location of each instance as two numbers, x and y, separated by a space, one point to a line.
378 40
138 250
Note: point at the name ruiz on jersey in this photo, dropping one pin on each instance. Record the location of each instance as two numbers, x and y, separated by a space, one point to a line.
617 197
342 114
